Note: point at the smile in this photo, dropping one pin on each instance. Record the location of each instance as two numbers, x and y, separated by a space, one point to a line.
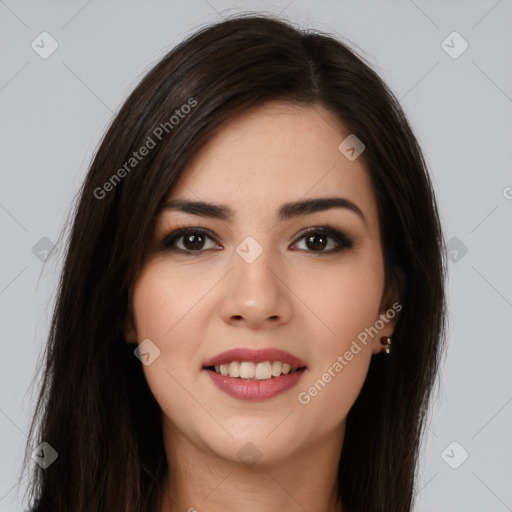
254 374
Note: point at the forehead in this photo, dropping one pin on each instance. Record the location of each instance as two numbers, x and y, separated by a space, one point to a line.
273 154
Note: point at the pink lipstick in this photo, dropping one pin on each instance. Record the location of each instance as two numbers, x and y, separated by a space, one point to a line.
255 374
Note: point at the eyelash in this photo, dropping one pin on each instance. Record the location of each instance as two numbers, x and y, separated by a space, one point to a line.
344 242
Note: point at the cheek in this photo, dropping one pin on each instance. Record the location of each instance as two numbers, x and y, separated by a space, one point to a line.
348 303
345 296
163 298
164 305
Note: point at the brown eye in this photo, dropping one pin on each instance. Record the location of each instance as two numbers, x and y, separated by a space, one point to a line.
317 239
188 241
193 241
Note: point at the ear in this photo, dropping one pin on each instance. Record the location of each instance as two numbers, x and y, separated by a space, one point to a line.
389 309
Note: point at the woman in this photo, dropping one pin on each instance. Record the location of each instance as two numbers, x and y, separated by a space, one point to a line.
251 310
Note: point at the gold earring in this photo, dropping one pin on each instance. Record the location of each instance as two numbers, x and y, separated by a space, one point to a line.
386 343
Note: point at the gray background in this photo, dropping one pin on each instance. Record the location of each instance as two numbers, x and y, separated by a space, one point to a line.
54 111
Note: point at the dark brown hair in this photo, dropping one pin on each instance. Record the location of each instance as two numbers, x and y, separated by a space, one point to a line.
95 408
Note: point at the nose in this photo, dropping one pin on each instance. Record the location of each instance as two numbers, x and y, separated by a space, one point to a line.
257 294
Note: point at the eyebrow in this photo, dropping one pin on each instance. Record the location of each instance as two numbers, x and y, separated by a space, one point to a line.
286 211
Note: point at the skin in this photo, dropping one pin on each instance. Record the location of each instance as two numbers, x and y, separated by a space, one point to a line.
301 300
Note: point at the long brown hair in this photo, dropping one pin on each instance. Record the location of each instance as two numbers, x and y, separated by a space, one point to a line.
95 408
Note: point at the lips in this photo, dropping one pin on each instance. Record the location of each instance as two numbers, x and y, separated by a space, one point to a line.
256 356
254 388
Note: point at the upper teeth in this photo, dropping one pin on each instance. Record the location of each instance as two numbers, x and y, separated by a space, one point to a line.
260 371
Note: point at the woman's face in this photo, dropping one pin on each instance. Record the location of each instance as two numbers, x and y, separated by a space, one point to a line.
254 281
